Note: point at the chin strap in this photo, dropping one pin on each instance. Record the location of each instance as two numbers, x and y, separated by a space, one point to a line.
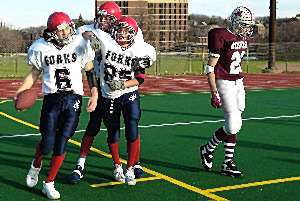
50 37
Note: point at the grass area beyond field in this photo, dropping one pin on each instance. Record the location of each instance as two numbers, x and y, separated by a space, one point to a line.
16 66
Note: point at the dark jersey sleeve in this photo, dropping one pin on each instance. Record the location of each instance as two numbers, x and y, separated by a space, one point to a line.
140 75
215 41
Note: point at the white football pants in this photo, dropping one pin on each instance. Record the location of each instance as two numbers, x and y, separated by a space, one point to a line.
232 94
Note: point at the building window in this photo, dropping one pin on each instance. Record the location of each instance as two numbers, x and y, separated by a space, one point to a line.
125 11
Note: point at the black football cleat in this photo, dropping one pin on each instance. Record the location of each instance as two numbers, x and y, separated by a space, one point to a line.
138 170
230 169
76 175
206 158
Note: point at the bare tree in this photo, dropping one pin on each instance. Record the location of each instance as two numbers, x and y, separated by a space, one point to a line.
11 41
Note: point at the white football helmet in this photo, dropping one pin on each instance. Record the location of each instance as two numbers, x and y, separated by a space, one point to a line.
242 22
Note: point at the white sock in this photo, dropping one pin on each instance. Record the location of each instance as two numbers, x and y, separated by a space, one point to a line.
81 162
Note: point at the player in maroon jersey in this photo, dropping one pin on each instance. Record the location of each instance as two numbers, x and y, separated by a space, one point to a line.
227 47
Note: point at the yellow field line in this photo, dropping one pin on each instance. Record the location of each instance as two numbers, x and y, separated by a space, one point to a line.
19 120
118 183
252 184
159 175
185 185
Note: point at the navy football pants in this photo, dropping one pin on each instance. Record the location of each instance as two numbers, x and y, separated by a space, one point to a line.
59 120
129 105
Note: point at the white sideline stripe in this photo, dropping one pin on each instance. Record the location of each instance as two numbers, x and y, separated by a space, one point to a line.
34 134
173 124
20 135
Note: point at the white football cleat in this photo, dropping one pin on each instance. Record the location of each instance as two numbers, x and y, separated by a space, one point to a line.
130 177
50 191
32 177
118 173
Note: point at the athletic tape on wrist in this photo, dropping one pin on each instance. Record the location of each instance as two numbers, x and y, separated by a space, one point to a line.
208 69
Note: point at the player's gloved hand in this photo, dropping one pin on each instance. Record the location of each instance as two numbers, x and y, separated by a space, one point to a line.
116 84
215 100
141 63
94 41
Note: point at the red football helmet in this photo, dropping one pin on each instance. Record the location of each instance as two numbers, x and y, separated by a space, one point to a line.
59 21
125 30
107 14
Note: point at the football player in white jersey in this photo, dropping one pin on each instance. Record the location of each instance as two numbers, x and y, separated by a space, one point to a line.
107 14
122 70
59 57
226 49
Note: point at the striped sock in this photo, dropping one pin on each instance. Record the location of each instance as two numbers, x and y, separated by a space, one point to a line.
217 138
229 144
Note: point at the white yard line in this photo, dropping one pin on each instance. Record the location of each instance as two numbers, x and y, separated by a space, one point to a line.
171 124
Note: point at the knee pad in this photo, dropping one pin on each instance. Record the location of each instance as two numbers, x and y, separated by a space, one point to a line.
233 122
60 145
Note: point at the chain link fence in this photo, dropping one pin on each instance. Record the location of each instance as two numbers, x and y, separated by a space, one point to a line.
184 59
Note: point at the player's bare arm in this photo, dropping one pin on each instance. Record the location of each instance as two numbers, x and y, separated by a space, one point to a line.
209 70
92 103
211 78
131 83
29 80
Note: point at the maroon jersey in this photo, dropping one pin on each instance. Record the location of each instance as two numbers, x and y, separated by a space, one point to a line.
230 49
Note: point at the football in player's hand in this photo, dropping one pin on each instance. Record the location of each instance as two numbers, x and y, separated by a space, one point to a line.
25 99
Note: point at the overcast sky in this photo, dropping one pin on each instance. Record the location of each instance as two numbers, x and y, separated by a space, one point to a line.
25 13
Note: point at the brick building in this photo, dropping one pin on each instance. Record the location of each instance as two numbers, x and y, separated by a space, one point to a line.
164 22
